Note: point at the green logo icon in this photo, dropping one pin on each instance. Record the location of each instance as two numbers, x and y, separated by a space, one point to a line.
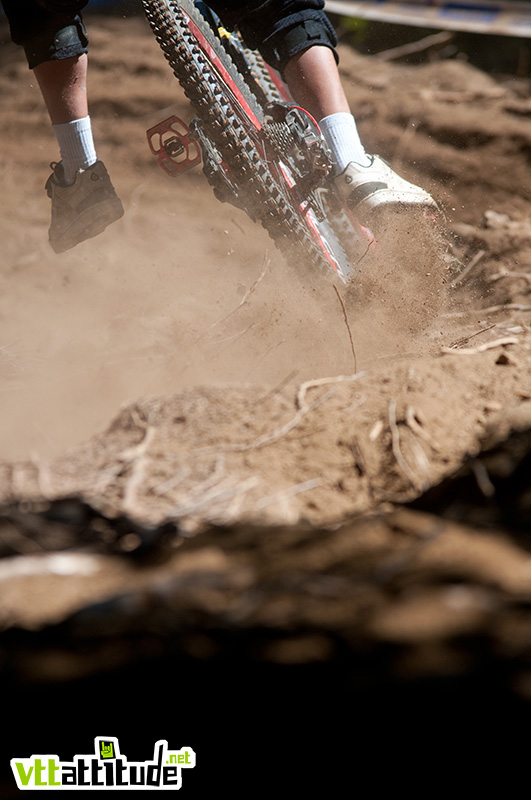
107 750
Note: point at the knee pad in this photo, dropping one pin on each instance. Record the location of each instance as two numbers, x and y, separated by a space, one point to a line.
55 41
282 36
280 48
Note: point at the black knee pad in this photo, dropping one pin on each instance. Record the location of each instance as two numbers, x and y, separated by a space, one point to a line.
289 41
45 34
51 45
281 29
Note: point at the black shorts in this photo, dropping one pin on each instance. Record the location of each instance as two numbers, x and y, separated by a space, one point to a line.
280 29
47 30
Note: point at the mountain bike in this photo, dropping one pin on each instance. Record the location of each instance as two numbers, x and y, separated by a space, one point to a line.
259 150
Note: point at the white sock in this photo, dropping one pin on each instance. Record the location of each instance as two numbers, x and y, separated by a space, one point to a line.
342 137
76 145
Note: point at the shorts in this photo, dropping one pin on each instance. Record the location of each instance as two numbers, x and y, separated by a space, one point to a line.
47 29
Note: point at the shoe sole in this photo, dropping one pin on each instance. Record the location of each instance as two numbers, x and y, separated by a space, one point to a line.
93 228
376 207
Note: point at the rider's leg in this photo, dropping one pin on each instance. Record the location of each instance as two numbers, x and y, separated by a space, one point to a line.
366 182
63 84
56 45
297 38
314 82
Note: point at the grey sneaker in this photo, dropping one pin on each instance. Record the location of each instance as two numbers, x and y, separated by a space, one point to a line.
377 187
82 209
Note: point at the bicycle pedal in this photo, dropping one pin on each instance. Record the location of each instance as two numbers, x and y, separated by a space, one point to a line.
172 145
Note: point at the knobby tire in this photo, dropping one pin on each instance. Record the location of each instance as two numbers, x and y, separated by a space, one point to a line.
215 108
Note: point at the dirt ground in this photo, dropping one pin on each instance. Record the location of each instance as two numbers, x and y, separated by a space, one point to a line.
177 372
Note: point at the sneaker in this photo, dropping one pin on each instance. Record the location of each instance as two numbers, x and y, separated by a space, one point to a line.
82 209
377 187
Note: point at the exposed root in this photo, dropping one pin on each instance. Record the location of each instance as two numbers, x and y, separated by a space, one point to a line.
348 327
216 495
397 451
468 269
307 385
298 488
280 433
414 425
481 348
137 458
44 479
465 339
526 276
131 456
